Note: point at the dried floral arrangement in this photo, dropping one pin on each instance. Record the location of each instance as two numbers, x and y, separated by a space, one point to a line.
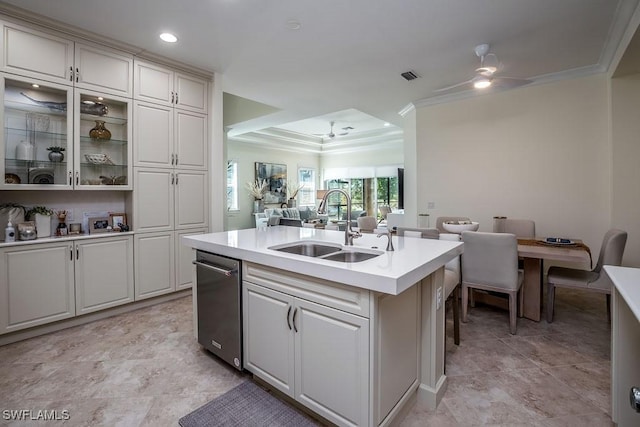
257 188
293 188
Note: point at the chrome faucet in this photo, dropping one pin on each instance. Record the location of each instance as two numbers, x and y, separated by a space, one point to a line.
389 241
349 234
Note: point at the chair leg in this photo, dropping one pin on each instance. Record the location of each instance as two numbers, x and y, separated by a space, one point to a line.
521 302
609 307
465 302
551 294
472 300
513 312
456 315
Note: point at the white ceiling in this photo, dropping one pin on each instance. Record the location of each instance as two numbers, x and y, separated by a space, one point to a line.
348 54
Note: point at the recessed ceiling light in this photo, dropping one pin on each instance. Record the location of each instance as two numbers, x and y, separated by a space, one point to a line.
35 85
168 37
293 24
387 124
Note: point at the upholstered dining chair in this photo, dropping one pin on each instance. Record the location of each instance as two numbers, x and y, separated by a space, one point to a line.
442 219
367 224
595 280
490 263
522 228
451 271
384 211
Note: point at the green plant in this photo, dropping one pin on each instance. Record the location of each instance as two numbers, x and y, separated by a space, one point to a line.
42 210
55 149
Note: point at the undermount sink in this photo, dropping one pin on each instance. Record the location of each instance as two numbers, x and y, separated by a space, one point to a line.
331 252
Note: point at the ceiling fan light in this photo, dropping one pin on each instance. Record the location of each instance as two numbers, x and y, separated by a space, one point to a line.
481 82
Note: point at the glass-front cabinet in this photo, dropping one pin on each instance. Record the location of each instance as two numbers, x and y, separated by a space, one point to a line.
58 138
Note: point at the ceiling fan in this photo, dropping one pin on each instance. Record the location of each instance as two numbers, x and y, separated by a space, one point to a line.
485 75
331 134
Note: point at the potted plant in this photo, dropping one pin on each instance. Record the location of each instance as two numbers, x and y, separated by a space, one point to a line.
42 217
56 153
257 190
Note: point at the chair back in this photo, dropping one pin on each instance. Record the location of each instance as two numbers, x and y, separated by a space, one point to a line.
425 233
442 219
522 228
367 224
490 258
612 249
384 210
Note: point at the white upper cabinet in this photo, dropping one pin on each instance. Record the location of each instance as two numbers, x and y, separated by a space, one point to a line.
161 85
47 56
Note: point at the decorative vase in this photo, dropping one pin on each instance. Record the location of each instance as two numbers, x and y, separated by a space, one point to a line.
25 151
99 131
258 205
43 225
291 203
56 156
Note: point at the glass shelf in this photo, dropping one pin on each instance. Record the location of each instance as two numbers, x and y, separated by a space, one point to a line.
87 140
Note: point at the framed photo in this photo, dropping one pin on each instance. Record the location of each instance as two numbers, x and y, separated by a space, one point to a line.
276 177
98 225
117 218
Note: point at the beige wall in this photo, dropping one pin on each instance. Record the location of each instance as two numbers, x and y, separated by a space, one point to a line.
625 115
541 152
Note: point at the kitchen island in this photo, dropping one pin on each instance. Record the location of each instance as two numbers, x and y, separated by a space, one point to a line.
352 341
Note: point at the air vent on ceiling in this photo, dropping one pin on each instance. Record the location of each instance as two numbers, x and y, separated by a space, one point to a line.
409 75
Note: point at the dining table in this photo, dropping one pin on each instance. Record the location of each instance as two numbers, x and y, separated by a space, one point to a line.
534 251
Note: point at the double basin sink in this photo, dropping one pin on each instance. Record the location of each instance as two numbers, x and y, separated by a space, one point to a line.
327 251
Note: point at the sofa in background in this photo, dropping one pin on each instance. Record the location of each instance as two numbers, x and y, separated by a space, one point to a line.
294 217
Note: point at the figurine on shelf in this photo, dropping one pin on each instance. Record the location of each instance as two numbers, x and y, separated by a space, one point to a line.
62 225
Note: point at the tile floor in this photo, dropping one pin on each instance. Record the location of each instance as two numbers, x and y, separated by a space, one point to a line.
145 369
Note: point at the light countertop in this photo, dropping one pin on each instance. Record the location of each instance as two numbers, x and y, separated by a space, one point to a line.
70 237
627 283
391 272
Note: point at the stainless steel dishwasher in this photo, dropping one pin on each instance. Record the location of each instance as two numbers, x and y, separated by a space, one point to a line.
219 294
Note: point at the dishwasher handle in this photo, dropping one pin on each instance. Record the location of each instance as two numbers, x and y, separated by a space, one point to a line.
226 272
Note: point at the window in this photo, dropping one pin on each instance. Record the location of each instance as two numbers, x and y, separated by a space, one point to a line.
307 194
232 185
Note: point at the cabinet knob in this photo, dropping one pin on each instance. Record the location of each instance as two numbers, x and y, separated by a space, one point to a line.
173 97
70 73
176 98
77 74
634 398
70 178
77 178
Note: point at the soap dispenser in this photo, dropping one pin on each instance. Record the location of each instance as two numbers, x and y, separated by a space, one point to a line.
9 233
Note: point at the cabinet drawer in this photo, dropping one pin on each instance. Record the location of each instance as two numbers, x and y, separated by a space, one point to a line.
336 295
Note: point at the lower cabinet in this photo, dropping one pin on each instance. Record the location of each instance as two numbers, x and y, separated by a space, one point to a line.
314 353
163 264
43 283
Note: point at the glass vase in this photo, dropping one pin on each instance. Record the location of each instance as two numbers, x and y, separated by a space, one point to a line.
99 131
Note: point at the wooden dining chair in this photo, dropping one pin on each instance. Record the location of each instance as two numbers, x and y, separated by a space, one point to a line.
490 263
595 280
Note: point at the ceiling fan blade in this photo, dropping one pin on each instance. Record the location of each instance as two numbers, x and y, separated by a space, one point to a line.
343 134
510 82
444 89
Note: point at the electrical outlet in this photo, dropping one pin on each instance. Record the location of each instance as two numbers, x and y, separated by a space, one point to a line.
439 298
431 205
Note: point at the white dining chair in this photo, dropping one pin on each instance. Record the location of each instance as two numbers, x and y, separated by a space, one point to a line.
490 263
595 280
367 224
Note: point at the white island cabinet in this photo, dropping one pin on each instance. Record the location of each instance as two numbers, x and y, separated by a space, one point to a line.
352 342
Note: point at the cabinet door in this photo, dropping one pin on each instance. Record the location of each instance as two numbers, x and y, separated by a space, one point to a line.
191 140
154 266
184 257
153 199
102 142
35 119
191 93
153 134
332 353
153 83
192 206
37 54
104 273
104 70
36 285
268 336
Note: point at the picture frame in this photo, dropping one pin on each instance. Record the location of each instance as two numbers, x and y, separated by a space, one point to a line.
117 218
99 225
276 177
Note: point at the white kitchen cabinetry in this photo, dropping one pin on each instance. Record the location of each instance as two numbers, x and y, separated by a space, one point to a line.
53 58
104 273
45 282
184 258
165 200
308 350
161 85
36 285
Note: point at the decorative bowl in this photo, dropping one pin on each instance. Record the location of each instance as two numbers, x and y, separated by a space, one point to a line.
459 228
98 159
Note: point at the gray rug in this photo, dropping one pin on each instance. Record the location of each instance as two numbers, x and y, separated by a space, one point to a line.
246 405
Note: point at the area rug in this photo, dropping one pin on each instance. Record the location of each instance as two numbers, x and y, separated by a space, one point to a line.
246 405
